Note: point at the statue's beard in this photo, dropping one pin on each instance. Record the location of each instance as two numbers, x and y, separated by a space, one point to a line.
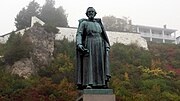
91 17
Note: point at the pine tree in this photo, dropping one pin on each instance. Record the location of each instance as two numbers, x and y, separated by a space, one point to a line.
61 17
23 18
53 16
48 13
112 23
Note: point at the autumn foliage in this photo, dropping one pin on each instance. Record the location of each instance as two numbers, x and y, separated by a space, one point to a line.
137 75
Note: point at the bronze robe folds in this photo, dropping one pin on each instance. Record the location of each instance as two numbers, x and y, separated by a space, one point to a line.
93 66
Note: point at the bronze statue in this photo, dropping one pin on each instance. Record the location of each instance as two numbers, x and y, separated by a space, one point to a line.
92 53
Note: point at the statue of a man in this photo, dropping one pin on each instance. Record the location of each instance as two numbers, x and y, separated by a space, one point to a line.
92 53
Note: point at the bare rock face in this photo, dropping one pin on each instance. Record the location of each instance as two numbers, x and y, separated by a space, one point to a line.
41 54
23 68
43 46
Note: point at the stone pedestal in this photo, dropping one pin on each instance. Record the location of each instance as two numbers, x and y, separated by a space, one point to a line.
97 95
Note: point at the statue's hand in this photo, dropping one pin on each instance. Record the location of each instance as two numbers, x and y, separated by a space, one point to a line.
108 49
81 48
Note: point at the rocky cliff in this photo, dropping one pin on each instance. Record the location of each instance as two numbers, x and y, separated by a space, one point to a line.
41 54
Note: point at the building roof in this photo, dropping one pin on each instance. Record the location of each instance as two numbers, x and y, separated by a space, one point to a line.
5 34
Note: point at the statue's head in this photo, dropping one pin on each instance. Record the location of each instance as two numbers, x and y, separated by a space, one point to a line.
90 12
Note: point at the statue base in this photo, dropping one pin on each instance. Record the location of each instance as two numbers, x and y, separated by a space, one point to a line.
97 95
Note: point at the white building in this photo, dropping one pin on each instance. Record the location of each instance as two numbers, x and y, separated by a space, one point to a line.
70 33
155 34
34 19
125 38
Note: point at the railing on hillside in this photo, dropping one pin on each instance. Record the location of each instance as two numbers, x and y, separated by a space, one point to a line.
160 36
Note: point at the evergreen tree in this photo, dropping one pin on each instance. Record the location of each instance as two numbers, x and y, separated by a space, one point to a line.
112 23
16 48
61 17
49 14
53 16
20 20
23 19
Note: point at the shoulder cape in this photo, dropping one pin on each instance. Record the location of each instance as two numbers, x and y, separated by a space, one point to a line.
104 34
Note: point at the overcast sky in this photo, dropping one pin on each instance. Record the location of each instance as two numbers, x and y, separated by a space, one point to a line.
142 12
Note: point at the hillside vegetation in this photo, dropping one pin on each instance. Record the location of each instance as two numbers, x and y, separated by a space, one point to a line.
137 74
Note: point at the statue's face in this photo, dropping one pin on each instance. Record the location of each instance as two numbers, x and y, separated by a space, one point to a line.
91 13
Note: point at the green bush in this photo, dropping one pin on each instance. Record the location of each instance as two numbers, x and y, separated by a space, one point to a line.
16 48
50 29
